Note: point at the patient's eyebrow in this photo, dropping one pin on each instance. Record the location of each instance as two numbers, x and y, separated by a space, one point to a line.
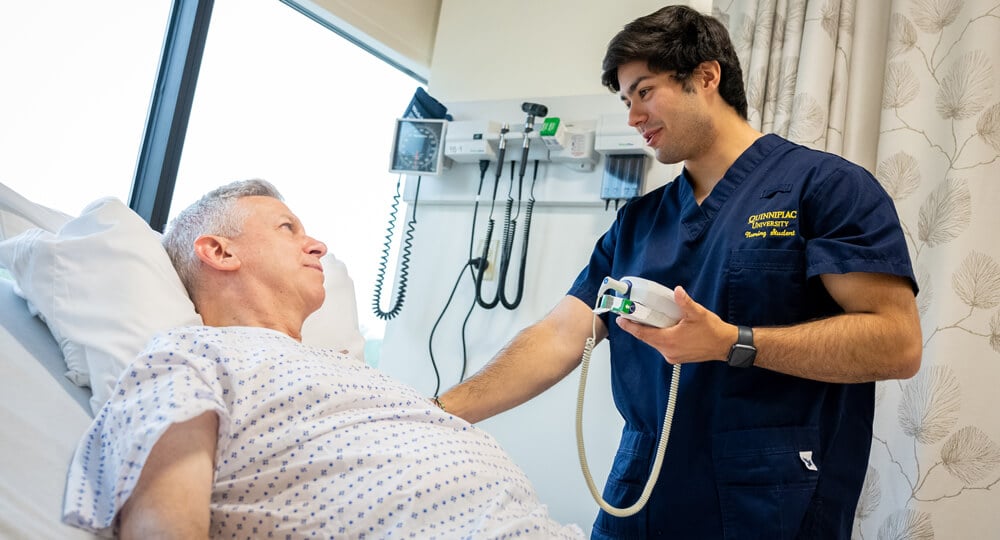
284 218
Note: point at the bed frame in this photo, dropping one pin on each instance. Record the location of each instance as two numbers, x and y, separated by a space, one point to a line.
44 415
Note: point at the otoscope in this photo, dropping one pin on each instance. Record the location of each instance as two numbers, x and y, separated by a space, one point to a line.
510 225
501 150
532 110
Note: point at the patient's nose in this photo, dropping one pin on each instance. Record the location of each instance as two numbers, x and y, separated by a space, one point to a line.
315 247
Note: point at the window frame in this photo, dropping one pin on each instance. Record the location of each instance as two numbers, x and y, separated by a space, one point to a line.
170 110
173 95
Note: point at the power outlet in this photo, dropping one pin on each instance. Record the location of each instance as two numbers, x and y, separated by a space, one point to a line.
491 269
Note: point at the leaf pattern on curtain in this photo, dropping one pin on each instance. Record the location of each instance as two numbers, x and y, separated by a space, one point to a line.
946 213
933 16
988 127
966 87
776 40
930 404
810 120
925 298
899 175
970 455
938 158
871 495
995 332
902 35
907 525
940 81
901 86
977 282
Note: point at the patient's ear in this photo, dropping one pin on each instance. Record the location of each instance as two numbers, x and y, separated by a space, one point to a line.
214 251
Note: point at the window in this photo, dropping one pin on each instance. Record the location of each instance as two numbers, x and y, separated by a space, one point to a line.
77 80
282 98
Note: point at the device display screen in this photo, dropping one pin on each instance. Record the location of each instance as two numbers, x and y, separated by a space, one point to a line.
418 146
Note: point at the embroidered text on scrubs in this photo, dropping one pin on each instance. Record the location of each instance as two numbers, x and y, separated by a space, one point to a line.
777 221
775 218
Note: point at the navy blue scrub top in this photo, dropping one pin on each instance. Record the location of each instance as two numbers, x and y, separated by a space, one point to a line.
753 453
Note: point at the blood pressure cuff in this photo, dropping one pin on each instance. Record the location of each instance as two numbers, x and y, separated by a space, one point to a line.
422 105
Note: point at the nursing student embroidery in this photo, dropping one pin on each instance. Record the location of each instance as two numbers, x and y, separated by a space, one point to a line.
773 223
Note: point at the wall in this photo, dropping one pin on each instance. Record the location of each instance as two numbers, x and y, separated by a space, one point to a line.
401 30
498 50
489 57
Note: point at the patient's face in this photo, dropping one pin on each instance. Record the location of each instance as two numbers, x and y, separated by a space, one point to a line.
275 253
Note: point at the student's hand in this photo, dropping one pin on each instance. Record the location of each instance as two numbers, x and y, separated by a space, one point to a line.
700 335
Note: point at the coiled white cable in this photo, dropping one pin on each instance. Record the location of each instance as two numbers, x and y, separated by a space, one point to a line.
661 447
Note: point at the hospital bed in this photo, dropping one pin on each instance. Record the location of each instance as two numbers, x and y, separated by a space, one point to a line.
99 283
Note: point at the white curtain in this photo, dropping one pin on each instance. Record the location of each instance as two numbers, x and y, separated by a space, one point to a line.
908 89
804 79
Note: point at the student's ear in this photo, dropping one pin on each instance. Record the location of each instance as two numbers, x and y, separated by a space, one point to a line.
708 74
214 251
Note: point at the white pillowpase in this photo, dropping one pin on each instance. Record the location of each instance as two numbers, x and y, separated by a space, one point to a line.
18 214
335 324
104 286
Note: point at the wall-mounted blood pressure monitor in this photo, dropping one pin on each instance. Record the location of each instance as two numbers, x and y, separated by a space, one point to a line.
418 146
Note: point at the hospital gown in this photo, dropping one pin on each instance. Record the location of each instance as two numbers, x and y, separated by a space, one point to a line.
312 444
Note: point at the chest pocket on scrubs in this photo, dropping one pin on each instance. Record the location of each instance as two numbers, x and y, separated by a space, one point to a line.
766 286
766 479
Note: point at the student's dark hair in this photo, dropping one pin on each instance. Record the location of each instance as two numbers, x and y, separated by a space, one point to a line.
677 38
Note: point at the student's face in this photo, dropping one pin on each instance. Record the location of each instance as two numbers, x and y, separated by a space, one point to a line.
673 120
275 251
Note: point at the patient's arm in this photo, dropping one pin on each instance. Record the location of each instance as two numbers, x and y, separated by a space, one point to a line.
171 498
537 358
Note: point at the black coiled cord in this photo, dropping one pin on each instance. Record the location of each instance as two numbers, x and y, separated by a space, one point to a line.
485 255
404 258
509 229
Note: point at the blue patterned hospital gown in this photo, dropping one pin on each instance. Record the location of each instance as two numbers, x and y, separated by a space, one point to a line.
312 444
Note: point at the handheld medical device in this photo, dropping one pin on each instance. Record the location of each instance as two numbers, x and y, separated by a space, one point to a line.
640 300
650 303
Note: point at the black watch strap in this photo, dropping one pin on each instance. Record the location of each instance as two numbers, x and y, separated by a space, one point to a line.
743 353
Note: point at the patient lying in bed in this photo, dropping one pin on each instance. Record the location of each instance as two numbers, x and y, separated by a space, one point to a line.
238 430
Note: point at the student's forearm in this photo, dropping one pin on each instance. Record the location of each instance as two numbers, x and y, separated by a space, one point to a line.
849 348
877 337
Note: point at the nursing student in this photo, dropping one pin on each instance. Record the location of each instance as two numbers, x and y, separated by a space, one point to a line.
797 294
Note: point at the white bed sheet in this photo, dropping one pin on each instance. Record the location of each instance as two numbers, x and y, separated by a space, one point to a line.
44 415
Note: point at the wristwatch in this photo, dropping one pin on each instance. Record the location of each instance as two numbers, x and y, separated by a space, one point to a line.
743 352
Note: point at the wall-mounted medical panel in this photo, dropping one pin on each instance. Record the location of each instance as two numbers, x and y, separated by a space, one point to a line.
572 175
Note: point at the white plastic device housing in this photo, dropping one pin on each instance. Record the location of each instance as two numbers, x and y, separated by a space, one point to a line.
655 302
615 136
578 151
656 297
469 141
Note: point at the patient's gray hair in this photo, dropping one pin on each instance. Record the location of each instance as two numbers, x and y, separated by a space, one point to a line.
215 213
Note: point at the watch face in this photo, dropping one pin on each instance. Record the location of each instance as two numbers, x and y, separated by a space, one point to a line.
418 146
742 355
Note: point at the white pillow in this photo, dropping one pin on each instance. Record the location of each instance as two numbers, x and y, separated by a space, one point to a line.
18 214
335 324
104 285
